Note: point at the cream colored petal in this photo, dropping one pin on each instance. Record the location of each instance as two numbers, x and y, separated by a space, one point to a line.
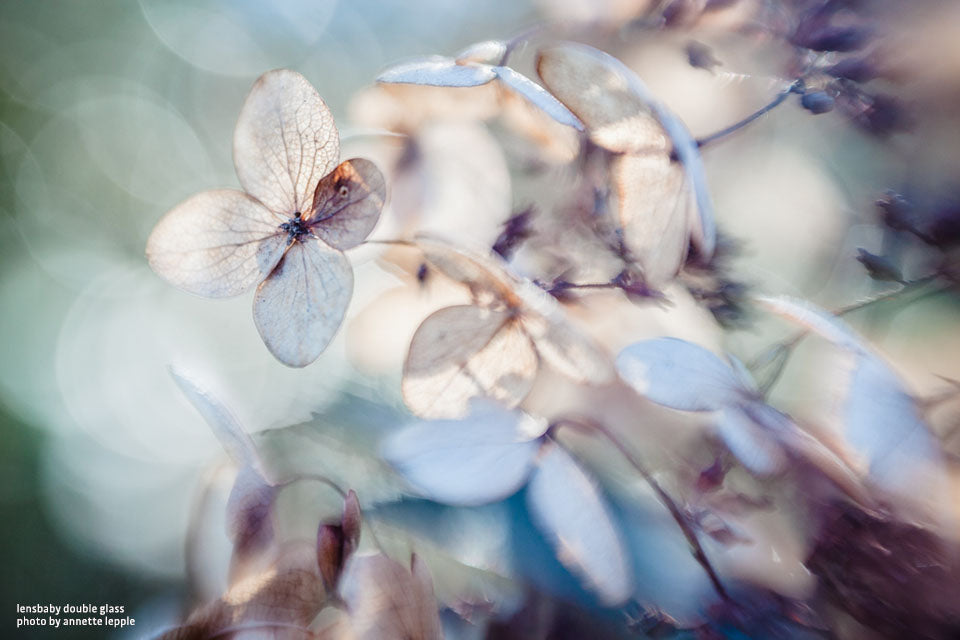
464 352
300 306
216 244
347 204
285 142
652 202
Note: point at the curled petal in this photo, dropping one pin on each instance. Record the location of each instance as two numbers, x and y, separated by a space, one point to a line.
347 204
300 306
285 142
216 244
464 352
653 203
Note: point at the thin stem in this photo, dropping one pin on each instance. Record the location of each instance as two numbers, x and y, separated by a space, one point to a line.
781 351
796 87
695 547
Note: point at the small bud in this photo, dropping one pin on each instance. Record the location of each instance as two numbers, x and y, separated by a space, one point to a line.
879 267
817 102
701 56
827 37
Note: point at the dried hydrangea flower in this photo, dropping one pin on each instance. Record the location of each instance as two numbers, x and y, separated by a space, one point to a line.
287 230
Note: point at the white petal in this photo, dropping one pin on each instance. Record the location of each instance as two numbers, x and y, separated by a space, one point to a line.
482 458
568 508
216 244
568 350
465 352
538 96
438 72
300 306
679 374
285 142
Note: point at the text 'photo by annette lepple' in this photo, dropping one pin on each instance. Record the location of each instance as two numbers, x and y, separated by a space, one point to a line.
518 319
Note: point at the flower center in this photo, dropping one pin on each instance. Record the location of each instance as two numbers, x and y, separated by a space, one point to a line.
295 227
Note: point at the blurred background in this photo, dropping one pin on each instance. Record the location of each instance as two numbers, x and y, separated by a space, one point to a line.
113 112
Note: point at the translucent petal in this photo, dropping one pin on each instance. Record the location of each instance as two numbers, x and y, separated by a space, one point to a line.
813 318
482 458
300 306
438 72
285 142
653 200
568 508
216 244
884 425
464 352
537 96
679 374
249 515
347 204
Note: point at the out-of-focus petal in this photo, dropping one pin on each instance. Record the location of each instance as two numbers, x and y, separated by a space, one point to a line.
438 72
538 96
482 458
679 374
568 508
